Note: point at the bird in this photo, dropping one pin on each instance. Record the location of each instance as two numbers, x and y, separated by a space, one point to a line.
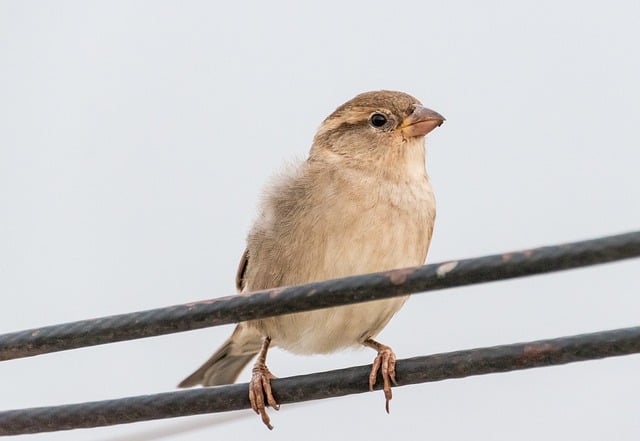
361 202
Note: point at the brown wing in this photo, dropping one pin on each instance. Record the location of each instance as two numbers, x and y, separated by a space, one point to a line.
242 270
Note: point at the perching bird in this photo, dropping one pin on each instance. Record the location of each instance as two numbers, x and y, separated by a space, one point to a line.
360 203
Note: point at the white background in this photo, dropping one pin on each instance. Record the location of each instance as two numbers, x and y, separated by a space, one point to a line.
135 137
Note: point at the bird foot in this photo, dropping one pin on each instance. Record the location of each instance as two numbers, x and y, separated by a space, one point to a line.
259 387
385 362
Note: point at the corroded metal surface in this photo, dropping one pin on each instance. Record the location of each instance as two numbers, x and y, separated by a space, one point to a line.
323 385
286 300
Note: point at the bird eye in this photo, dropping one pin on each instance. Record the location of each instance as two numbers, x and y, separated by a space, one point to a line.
378 120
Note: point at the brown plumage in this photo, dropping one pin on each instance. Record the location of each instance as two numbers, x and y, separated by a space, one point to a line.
360 203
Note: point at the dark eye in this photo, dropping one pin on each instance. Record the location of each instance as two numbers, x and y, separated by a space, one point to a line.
378 120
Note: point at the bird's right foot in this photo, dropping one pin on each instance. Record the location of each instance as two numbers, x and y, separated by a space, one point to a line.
260 386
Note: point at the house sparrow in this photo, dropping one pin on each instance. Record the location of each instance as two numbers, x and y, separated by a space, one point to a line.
360 203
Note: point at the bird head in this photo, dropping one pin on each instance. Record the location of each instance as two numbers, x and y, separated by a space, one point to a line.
375 126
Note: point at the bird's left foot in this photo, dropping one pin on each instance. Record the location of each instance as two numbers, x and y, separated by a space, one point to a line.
385 362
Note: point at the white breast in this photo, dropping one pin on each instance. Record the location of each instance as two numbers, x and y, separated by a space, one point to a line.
375 226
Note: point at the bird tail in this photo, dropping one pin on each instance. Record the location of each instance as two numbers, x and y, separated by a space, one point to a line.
224 366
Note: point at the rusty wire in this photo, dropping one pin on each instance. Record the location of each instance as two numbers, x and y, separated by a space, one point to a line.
323 385
348 290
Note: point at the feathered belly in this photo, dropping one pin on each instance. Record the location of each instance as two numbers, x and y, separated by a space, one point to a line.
382 237
331 329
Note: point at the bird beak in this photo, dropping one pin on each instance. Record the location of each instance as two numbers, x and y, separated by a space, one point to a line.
420 122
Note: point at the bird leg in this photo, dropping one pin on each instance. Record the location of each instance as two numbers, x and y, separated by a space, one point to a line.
260 385
385 362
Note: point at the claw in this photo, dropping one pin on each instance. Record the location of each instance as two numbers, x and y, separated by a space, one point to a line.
385 362
260 386
374 372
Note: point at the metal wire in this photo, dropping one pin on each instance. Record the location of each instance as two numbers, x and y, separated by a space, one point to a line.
336 292
323 385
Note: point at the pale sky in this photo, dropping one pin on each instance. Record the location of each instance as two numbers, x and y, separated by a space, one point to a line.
135 137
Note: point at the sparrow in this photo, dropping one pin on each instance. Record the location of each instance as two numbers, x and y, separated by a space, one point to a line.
360 203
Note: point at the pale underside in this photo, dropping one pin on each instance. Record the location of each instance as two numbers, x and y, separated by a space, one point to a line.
325 222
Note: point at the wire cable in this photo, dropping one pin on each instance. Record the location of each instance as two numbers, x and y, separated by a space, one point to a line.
318 295
323 385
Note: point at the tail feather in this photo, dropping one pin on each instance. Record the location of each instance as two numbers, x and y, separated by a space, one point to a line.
224 366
